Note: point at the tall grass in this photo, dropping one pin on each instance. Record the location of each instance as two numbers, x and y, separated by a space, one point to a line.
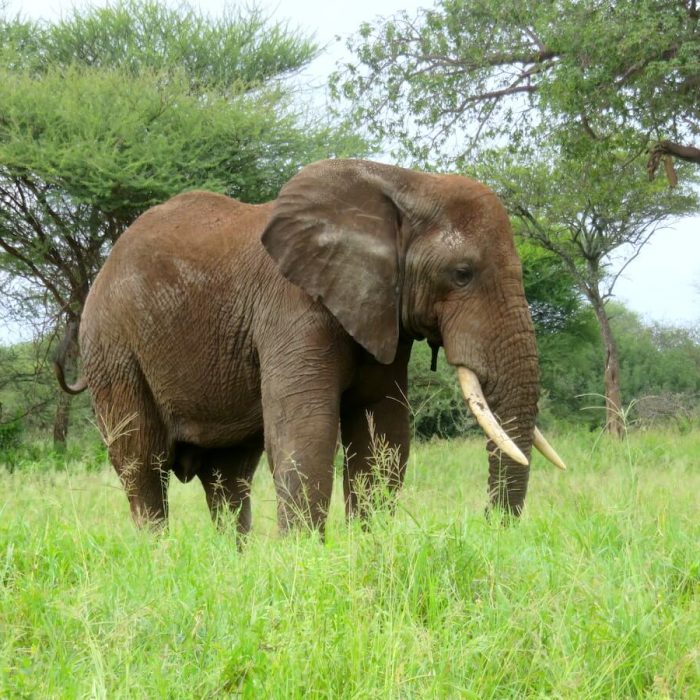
595 593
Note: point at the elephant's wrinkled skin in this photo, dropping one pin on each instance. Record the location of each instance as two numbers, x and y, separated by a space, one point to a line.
216 329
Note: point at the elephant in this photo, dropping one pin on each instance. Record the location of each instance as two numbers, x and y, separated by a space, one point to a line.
217 330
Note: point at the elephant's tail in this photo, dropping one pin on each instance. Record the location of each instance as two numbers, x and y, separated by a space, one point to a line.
68 347
79 386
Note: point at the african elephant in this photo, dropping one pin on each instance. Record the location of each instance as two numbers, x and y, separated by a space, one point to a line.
217 329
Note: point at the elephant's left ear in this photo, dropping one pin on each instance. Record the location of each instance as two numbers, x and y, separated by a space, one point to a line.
334 232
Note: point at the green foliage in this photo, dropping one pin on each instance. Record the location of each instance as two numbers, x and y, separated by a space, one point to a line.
112 110
33 454
647 85
570 373
435 399
28 387
11 430
665 358
240 51
549 287
122 107
121 146
100 153
594 594
525 70
659 368
583 204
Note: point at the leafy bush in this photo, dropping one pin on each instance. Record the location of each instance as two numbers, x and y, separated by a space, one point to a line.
437 405
10 439
11 434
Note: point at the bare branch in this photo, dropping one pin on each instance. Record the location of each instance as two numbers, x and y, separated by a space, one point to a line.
608 294
38 273
512 89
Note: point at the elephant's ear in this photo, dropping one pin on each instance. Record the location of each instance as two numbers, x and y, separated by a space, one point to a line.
334 232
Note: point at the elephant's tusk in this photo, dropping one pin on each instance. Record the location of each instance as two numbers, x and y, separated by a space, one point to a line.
538 441
477 403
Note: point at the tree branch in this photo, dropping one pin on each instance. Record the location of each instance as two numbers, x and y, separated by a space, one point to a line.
626 264
687 153
665 149
38 273
639 68
512 89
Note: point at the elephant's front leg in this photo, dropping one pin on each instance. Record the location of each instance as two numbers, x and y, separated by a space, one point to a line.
376 441
301 413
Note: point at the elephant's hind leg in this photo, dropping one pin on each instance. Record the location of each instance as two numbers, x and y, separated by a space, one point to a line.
138 446
226 475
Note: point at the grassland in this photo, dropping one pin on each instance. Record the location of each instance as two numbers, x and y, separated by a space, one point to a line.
595 593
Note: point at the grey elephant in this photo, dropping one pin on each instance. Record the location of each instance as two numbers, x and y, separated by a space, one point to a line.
217 329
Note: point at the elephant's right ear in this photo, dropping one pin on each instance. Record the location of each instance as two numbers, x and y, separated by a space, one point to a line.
334 232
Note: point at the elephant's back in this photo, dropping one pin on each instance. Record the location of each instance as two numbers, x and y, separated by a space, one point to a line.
192 226
195 242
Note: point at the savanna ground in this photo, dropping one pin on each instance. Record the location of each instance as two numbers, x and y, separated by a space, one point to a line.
595 593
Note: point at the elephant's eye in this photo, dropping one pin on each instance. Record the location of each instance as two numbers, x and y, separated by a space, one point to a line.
463 275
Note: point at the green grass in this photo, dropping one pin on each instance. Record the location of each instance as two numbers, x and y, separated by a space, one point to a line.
594 594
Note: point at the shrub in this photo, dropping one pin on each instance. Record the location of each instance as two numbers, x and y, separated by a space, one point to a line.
11 434
667 408
437 405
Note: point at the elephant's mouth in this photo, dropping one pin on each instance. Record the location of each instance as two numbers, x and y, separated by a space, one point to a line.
474 396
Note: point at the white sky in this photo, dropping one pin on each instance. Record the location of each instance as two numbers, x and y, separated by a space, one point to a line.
663 283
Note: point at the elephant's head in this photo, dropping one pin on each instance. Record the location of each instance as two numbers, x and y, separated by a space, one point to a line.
396 253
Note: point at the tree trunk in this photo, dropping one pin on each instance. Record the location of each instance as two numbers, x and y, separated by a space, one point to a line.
68 352
614 422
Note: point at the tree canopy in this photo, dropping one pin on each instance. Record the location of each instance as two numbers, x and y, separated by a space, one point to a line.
594 216
111 110
238 51
471 72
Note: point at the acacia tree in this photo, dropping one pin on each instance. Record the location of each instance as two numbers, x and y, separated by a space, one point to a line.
112 110
468 72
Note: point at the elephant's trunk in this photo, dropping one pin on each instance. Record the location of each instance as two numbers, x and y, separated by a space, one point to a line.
508 480
513 396
507 367
506 408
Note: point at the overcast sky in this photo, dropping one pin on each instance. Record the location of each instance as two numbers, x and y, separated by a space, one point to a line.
663 283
